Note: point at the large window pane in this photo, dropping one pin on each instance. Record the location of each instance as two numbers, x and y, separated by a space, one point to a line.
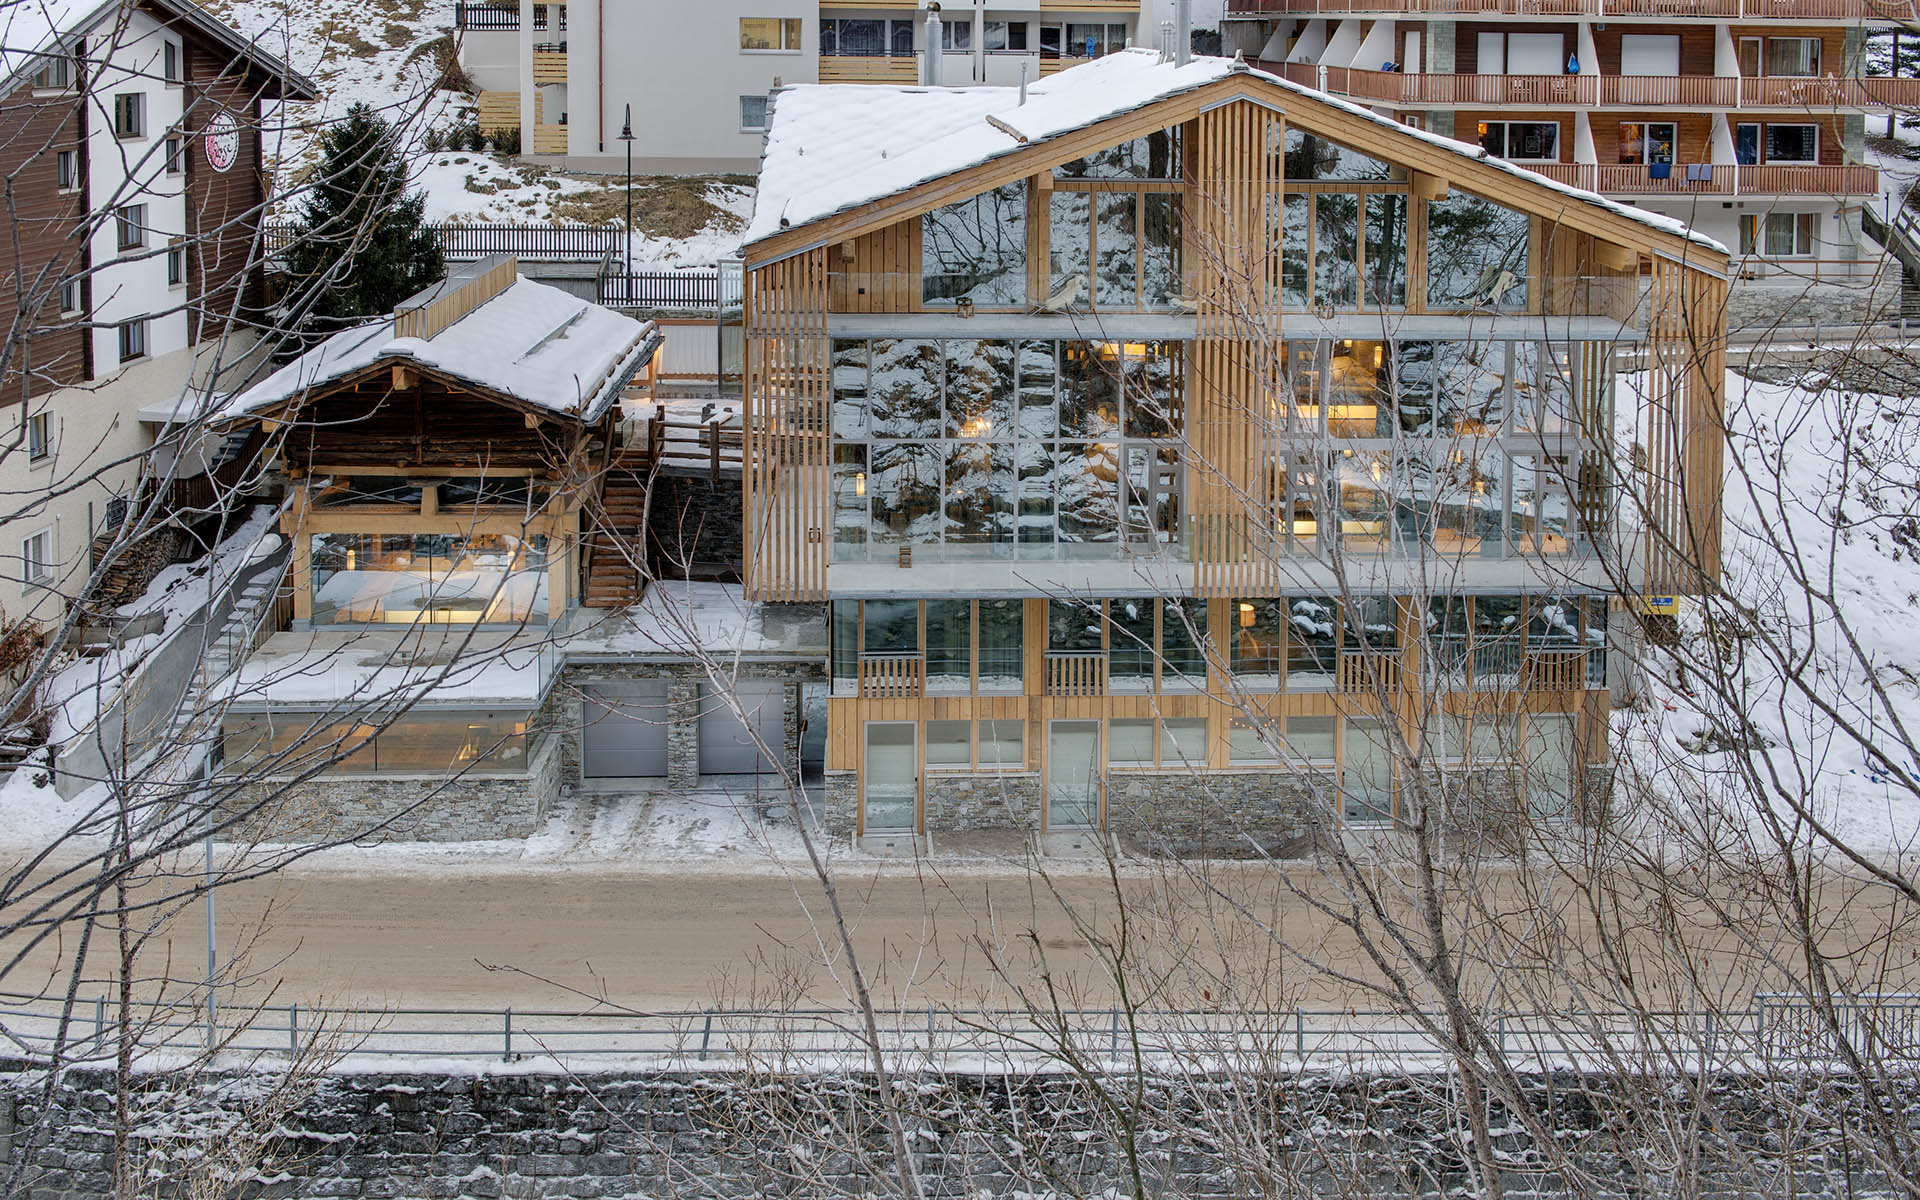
1183 632
1311 157
1003 745
980 389
1311 739
1259 643
1313 643
850 518
1002 645
1156 156
903 492
1130 660
1366 778
892 626
450 579
1086 492
850 389
845 640
1070 230
1183 742
979 502
1160 262
977 250
1090 375
1130 743
1038 418
1386 251
1295 213
1336 249
1073 626
1038 472
906 388
1116 276
949 645
949 745
1476 254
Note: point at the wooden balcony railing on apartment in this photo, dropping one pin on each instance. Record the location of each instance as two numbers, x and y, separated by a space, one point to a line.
1369 672
1396 87
1691 91
870 68
1077 673
550 63
893 676
1717 179
1556 671
1753 10
1826 92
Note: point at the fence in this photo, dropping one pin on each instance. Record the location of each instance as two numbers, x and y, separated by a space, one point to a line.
1777 1030
694 289
485 17
467 242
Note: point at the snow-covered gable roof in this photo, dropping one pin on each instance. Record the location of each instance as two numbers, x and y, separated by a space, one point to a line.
537 344
832 148
30 30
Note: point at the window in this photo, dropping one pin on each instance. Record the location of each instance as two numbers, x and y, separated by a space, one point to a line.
429 578
1793 56
1778 235
129 115
866 38
1746 144
949 658
70 296
1183 742
976 250
133 339
170 61
1003 745
1130 743
55 72
1531 141
770 35
1311 739
176 266
1793 143
176 154
66 170
39 437
130 226
956 36
949 745
36 557
1247 740
1647 143
1476 254
753 114
1006 37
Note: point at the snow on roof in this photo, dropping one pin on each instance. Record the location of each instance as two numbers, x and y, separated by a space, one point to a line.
30 28
535 343
831 148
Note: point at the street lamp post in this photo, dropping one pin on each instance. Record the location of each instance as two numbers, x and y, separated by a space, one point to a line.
626 135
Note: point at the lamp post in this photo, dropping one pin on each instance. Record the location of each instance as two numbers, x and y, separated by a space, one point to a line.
626 135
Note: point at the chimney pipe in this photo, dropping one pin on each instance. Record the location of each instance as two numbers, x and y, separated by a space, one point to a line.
1166 41
1023 83
933 45
1182 32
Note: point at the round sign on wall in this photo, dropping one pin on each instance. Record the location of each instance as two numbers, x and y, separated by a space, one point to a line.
222 141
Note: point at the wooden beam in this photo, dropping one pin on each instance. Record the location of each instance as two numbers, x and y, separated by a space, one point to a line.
405 378
1428 187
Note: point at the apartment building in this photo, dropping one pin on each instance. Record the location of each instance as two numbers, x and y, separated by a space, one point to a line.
1745 118
567 74
134 143
1173 446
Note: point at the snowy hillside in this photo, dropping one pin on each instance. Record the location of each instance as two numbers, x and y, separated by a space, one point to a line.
1823 575
391 54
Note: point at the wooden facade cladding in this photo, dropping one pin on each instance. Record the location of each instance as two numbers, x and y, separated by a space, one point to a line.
47 349
369 424
785 484
224 208
1686 430
1234 383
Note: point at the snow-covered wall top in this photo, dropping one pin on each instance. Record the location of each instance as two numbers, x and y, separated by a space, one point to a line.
831 148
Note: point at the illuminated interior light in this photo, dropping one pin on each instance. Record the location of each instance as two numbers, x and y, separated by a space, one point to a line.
860 484
1246 615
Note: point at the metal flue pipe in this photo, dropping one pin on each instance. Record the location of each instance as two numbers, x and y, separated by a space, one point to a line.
1182 32
933 45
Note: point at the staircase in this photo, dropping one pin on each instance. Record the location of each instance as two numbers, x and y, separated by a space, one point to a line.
228 648
1900 234
617 539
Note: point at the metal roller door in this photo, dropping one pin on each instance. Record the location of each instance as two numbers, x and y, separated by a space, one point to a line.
623 731
726 748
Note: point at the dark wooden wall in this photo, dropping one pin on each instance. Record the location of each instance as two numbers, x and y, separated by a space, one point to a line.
223 275
374 425
43 350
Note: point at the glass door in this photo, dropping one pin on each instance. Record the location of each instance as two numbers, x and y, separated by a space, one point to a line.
890 784
1073 775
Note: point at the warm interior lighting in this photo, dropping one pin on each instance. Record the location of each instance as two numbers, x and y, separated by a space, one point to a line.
1246 616
1306 528
974 427
1377 470
860 484
353 560
1379 355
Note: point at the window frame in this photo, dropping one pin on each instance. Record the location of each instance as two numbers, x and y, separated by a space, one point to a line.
793 36
177 263
129 116
70 291
39 437
132 340
171 62
765 105
36 558
130 227
1507 127
1766 144
66 171
174 151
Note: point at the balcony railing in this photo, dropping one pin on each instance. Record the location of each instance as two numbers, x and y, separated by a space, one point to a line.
1585 91
1369 672
1557 671
550 63
893 676
880 67
486 18
1752 10
1692 91
1077 673
1715 179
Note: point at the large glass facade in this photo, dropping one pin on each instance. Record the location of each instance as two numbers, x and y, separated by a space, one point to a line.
429 743
1477 254
976 250
449 579
974 448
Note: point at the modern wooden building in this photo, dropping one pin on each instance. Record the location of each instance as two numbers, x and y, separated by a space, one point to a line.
1190 455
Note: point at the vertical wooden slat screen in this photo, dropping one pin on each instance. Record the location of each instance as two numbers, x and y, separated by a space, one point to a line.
1234 374
788 478
1686 433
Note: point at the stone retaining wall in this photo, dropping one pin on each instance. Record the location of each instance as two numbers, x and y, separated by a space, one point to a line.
739 1136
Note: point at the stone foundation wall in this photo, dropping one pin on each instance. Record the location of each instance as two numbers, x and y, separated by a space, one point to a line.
463 808
694 528
1220 814
1759 304
964 803
723 1135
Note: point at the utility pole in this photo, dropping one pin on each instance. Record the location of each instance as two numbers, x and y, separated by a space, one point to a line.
626 135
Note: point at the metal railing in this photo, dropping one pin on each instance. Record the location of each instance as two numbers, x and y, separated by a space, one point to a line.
1821 10
1777 1029
486 17
469 241
692 289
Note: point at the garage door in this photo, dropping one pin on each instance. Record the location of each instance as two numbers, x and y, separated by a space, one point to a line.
623 731
726 748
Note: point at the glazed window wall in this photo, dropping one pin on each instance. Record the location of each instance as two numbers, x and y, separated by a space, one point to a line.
1497 643
996 448
1149 643
419 744
976 251
1467 448
953 646
445 579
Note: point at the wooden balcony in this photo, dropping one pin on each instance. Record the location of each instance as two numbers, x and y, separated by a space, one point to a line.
1711 10
901 69
549 139
1827 92
1655 91
1053 66
893 676
1529 91
1556 671
1369 672
549 66
1077 673
1715 179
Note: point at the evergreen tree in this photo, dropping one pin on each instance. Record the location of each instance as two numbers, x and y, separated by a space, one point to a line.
361 244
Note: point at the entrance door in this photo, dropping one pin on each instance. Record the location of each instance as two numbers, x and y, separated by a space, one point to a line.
623 731
1073 775
726 745
890 782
